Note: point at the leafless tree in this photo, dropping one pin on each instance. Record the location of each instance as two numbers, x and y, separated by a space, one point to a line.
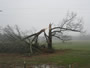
12 36
66 38
70 23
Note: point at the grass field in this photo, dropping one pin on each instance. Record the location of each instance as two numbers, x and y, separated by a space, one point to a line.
79 54
75 53
83 45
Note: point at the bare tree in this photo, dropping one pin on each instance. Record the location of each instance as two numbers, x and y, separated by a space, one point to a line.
66 38
70 23
13 37
13 34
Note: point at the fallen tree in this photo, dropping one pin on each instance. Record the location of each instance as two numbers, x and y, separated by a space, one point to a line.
31 42
70 23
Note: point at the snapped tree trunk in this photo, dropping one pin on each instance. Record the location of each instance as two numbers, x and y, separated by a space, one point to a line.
50 38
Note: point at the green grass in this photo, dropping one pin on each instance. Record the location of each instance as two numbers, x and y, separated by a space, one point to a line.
76 53
72 45
80 53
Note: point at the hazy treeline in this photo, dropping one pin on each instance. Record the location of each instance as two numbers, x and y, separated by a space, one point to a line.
81 37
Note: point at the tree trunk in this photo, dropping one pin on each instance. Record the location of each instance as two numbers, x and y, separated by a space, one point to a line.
50 38
30 48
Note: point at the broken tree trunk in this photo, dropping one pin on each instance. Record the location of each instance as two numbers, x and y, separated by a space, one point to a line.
50 37
34 40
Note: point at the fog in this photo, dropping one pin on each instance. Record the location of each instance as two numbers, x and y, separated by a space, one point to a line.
38 14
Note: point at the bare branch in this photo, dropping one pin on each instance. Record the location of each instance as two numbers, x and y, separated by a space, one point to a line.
69 18
58 37
18 31
46 37
35 34
64 29
71 22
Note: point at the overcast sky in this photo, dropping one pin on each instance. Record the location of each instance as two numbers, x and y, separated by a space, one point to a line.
39 13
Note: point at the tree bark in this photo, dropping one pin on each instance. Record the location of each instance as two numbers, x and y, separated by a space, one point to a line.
50 38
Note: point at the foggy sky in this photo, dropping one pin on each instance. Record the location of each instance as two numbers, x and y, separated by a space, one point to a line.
39 13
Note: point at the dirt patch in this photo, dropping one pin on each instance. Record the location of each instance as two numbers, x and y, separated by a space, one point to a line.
60 52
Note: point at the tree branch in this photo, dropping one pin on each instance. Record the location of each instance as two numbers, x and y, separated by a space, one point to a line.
64 29
38 33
